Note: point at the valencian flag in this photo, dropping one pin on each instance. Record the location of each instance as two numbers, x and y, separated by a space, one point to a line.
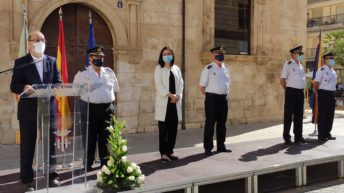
64 119
22 52
91 41
23 38
314 97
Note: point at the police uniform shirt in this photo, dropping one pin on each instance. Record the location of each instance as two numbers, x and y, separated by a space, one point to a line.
294 75
327 78
102 86
215 79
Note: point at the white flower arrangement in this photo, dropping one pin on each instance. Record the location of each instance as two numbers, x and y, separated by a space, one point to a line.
119 173
124 159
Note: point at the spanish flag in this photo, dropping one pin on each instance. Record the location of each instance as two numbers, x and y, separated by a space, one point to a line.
64 117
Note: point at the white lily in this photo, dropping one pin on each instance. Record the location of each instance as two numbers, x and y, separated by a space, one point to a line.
124 159
129 169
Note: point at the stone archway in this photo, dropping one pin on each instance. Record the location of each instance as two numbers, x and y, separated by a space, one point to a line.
76 22
103 8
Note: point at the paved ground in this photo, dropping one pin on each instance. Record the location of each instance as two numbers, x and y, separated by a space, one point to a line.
148 142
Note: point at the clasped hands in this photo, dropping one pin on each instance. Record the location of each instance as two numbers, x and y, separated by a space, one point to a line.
174 98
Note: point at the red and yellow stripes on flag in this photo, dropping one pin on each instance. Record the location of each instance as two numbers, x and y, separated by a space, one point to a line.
64 116
316 67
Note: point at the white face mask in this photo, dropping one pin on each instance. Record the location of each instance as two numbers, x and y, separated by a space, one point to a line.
39 47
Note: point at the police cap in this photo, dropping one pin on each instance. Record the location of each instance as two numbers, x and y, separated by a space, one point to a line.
330 54
96 51
218 50
298 49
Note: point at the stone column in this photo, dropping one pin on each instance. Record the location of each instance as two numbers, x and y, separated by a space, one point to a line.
134 23
209 29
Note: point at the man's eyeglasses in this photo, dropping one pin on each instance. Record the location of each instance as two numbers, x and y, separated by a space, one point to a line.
38 40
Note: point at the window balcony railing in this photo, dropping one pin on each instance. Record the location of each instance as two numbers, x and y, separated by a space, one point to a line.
325 20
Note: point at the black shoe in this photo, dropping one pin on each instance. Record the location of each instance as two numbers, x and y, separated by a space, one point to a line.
89 169
298 143
165 159
331 138
54 181
224 150
322 139
173 157
28 187
288 142
207 152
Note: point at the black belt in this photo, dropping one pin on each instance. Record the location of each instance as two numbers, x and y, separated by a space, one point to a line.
98 104
214 94
296 89
326 91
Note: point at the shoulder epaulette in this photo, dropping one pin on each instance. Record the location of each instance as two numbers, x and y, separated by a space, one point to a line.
83 69
289 62
322 68
208 67
108 69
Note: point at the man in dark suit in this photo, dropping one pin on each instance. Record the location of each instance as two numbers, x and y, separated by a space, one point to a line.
41 70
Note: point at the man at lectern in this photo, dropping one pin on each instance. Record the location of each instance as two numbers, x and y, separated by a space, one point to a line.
42 70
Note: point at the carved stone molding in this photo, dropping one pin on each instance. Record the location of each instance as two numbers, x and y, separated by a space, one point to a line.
208 30
205 57
208 24
135 55
120 51
134 30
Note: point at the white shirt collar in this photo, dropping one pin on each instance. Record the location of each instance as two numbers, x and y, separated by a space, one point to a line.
35 59
91 69
217 66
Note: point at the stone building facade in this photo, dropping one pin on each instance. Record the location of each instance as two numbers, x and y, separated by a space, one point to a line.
142 27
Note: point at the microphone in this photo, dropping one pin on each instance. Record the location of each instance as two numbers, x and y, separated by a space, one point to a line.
22 66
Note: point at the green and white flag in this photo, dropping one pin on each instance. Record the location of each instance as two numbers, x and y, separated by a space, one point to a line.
23 38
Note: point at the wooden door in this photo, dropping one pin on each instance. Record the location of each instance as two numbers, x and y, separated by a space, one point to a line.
76 23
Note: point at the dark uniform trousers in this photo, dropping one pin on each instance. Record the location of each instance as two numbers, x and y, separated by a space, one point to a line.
100 118
326 104
168 130
293 110
28 133
216 110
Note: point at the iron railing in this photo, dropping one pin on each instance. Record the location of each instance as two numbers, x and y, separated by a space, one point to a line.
325 20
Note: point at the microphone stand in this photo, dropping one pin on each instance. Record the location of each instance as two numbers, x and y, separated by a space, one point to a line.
20 67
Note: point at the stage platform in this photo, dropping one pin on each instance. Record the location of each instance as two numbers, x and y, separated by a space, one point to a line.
249 161
255 166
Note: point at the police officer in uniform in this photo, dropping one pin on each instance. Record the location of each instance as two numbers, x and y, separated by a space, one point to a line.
103 84
214 84
325 85
293 81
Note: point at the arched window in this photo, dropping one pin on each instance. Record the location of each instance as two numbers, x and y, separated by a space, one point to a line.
232 25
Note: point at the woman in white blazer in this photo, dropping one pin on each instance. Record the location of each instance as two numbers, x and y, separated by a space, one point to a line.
169 88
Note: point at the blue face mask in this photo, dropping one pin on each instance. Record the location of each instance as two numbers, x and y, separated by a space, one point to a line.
167 58
98 62
220 57
332 62
299 58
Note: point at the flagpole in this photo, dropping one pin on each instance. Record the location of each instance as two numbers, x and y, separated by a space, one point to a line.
315 132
